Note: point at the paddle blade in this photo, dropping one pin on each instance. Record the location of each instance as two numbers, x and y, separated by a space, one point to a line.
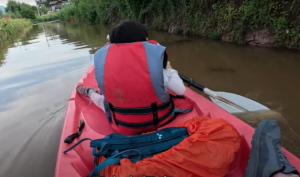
243 102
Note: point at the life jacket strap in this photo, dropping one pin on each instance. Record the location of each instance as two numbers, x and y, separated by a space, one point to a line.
153 109
112 109
155 114
139 110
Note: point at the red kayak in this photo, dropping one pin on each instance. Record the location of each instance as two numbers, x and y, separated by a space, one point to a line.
79 162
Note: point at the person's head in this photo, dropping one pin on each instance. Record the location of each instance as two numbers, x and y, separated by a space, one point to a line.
127 32
131 31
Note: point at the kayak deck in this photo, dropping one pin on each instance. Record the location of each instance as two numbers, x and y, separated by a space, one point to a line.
79 161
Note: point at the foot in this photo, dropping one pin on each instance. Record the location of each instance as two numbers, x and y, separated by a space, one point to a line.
84 90
266 158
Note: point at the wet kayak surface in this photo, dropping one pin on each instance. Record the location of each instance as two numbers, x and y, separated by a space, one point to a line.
39 71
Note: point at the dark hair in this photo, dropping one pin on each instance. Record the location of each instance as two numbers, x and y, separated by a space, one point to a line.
131 31
127 32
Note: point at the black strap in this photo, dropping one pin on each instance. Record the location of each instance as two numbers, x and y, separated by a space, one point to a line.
112 108
71 138
178 96
140 110
165 60
155 114
155 121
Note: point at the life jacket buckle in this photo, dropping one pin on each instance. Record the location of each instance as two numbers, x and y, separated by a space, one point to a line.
155 114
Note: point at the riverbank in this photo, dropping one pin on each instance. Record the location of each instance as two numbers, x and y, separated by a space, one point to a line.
254 22
10 28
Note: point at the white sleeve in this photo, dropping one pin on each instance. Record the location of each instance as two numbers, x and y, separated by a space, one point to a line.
173 82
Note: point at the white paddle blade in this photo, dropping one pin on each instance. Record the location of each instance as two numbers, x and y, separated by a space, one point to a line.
243 102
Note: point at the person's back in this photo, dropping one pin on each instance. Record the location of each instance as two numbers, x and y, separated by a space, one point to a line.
130 75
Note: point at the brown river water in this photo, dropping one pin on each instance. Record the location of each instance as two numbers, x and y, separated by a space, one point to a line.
39 71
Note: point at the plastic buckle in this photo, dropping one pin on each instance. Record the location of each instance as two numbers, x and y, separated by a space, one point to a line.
155 114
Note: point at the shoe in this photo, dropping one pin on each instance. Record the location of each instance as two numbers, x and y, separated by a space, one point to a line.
83 90
266 158
289 169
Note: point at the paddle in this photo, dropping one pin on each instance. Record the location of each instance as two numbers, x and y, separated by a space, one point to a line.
230 102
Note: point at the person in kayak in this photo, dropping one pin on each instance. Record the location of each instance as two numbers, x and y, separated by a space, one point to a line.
133 75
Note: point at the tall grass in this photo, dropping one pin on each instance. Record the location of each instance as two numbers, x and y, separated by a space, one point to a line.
206 18
11 27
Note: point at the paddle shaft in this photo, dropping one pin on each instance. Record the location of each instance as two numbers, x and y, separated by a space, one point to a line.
191 82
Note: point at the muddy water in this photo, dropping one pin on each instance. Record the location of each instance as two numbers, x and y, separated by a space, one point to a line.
39 71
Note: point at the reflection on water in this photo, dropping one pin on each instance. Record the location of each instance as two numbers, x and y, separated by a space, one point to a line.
40 70
36 79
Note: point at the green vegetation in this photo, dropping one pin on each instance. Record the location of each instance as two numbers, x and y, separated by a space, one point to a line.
46 18
14 21
20 10
212 19
16 10
44 9
28 34
1 14
12 27
68 12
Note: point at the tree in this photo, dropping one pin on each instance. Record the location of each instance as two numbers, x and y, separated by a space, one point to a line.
21 10
28 11
17 14
12 6
44 9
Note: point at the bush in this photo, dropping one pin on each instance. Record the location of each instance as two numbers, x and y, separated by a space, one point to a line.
67 12
10 27
16 15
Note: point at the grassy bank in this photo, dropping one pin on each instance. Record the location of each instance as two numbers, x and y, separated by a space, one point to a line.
261 22
46 18
10 31
9 28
